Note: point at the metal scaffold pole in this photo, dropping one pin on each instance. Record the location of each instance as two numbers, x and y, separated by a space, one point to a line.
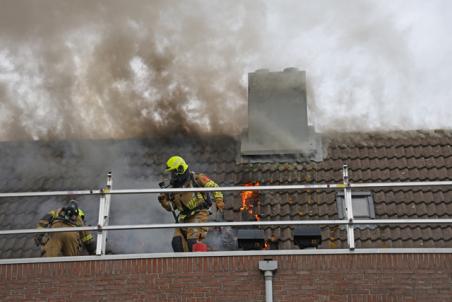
348 208
339 186
104 214
348 222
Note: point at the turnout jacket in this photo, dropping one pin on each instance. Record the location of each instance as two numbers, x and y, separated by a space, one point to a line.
190 203
57 216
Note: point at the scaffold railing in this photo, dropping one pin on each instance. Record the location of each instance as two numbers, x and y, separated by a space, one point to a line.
349 221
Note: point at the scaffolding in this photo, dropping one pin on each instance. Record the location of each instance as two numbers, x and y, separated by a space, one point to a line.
349 221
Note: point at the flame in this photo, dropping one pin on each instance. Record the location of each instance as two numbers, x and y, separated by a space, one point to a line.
250 201
248 196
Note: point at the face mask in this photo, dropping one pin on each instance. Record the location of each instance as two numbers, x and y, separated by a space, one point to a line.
70 212
178 180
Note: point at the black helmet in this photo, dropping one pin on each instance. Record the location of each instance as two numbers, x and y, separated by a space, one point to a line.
71 209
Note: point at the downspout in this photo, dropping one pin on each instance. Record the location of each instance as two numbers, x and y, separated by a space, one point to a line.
268 266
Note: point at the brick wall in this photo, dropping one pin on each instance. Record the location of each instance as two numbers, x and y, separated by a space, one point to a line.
383 277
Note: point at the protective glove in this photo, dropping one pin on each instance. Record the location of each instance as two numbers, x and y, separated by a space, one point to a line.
220 204
220 209
162 197
164 201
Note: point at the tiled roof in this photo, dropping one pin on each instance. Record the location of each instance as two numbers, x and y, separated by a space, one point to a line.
137 163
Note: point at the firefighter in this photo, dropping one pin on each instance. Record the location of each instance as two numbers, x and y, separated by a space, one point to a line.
64 243
192 207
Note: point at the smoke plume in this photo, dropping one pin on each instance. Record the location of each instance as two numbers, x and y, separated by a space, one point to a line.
115 69
119 69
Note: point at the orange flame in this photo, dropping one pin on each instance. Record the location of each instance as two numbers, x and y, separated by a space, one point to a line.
247 196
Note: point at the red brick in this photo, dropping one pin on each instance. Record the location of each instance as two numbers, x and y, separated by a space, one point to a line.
397 277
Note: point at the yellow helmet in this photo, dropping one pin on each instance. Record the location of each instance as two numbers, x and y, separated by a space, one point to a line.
176 164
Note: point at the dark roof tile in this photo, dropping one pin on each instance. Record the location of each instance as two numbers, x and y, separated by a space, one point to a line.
427 233
442 209
410 151
428 197
383 175
418 197
432 210
285 210
441 174
413 174
374 164
448 161
420 210
434 233
286 245
438 197
394 175
286 234
446 150
440 162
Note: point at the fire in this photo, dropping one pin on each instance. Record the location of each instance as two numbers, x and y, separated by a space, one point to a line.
249 199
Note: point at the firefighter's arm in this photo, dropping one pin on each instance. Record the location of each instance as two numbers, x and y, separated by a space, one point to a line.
217 195
44 222
38 238
165 201
47 219
88 241
86 237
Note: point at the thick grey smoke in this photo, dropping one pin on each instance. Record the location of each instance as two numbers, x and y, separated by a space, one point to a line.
101 69
115 69
83 165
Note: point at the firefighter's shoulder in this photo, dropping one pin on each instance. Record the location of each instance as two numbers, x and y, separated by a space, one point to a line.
201 178
79 221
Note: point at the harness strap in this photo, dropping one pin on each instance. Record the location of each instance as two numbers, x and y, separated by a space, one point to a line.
206 195
187 212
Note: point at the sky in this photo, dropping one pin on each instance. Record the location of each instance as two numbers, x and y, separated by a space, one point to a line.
120 69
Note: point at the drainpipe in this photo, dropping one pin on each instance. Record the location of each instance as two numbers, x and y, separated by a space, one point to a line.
268 266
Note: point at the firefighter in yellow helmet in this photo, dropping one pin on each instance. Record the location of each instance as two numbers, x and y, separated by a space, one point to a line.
64 243
192 207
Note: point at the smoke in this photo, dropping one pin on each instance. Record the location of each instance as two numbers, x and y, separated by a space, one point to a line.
83 165
370 65
138 209
111 69
122 69
117 69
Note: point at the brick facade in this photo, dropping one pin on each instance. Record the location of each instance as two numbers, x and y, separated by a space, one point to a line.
360 277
